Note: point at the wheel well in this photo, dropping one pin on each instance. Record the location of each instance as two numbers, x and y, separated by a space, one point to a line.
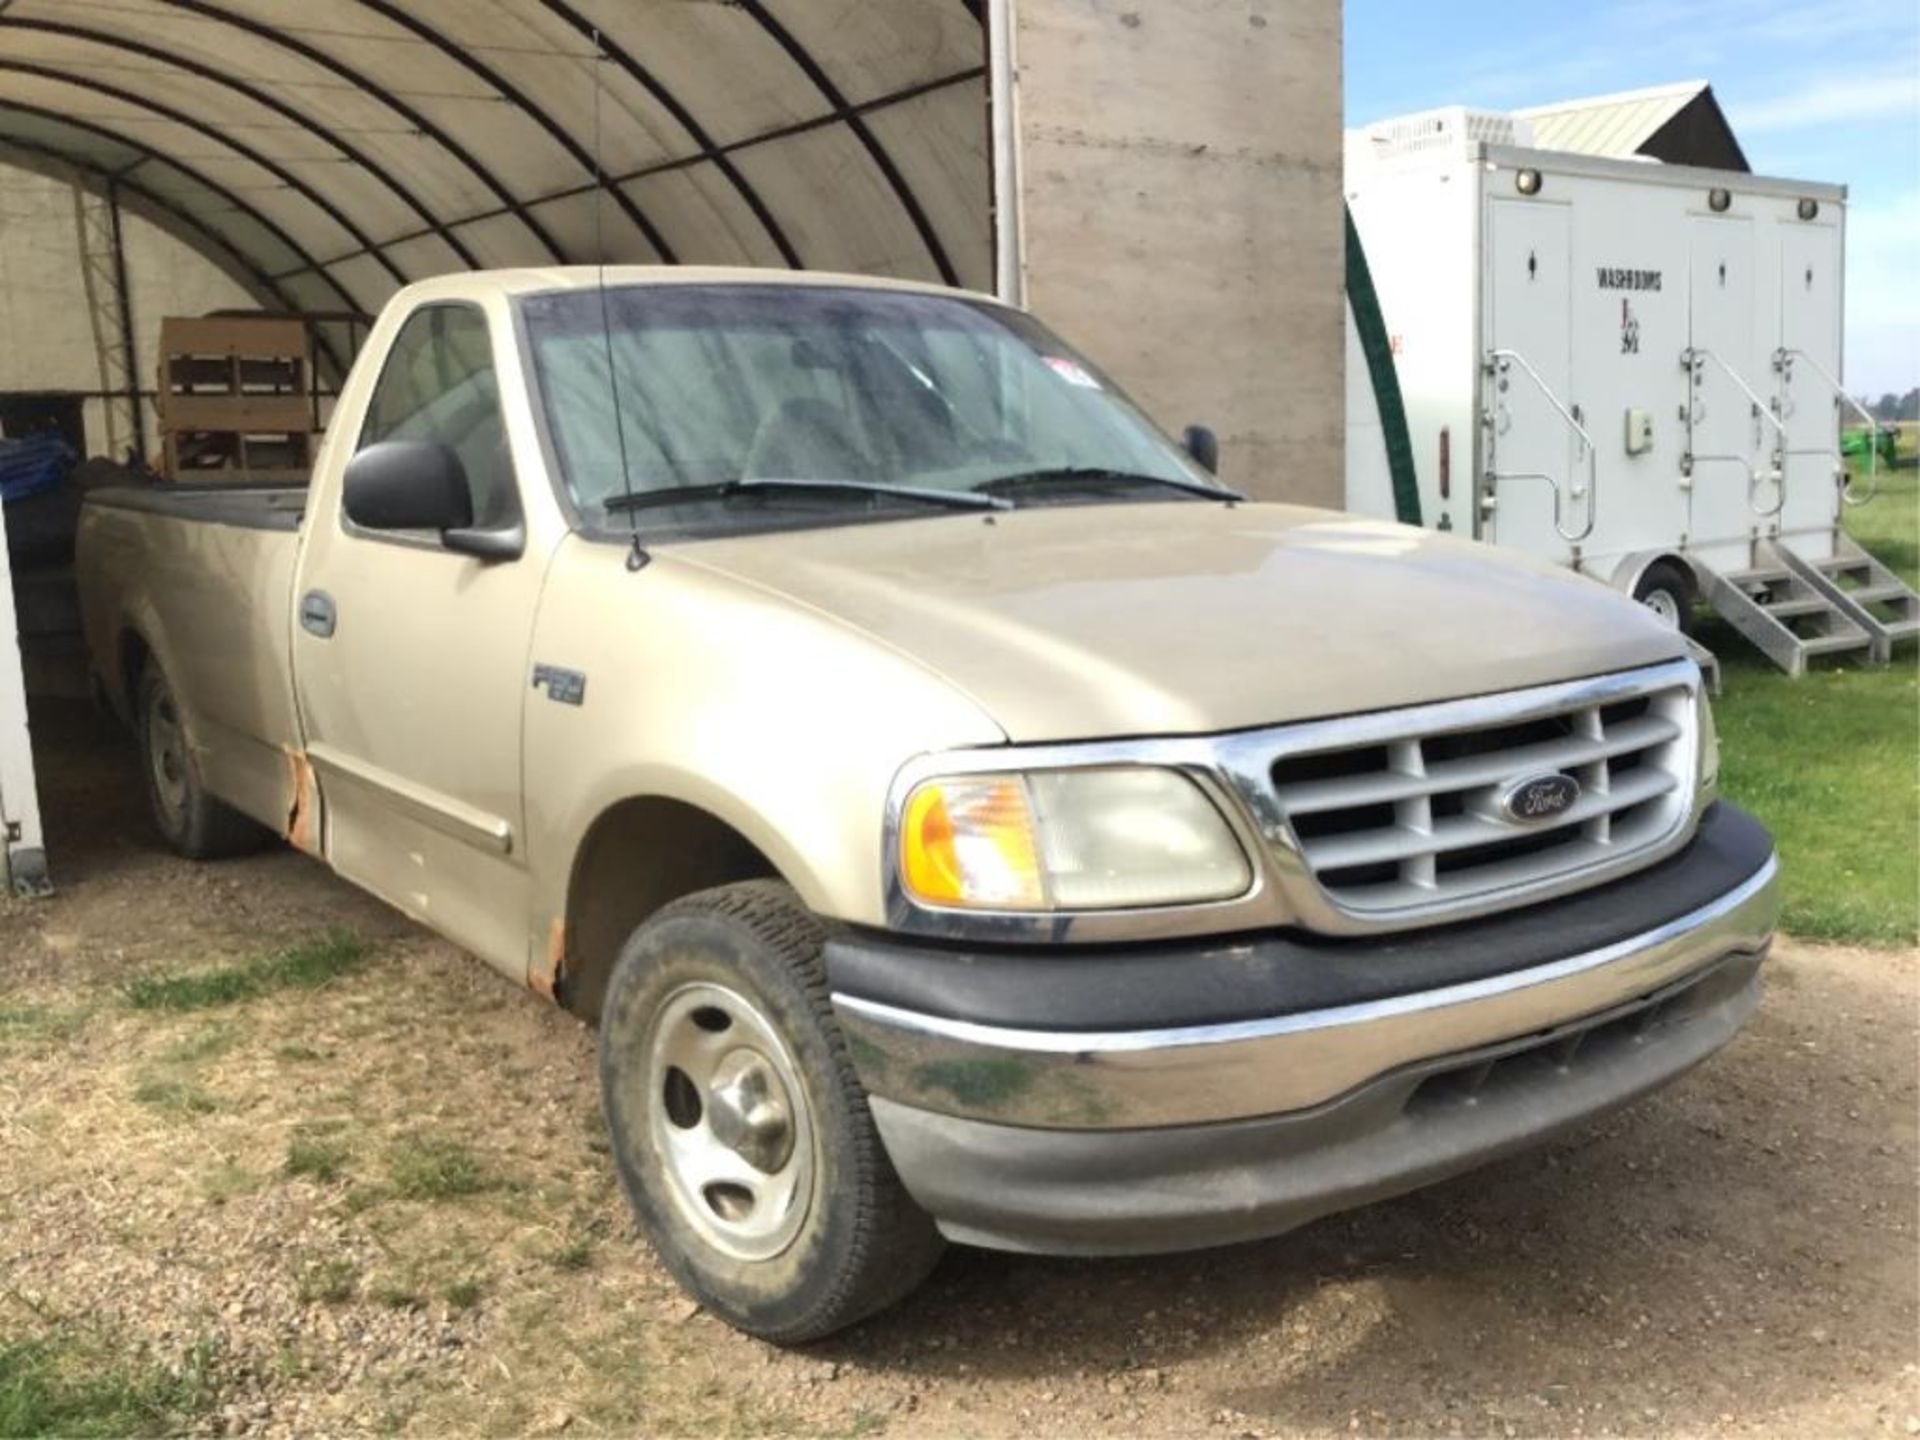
133 658
638 856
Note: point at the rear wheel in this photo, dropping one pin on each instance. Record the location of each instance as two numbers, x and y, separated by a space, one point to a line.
189 819
1666 587
741 1134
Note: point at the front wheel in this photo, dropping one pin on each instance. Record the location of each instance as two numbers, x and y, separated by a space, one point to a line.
740 1132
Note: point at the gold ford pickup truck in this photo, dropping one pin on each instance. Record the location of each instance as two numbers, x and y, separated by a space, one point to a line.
963 817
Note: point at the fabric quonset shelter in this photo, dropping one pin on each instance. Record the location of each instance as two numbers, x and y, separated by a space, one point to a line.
327 152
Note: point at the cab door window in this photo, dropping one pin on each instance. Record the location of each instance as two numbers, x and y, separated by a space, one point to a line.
439 384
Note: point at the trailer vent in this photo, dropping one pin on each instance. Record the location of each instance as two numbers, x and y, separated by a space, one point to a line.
1454 130
1412 820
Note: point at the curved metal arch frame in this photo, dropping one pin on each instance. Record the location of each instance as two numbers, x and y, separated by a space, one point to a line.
519 100
235 262
698 133
850 116
299 119
844 111
260 30
683 162
149 153
200 127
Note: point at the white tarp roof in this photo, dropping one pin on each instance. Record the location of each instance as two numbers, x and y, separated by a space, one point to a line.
328 151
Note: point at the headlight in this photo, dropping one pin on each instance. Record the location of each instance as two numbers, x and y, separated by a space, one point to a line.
1096 839
1709 747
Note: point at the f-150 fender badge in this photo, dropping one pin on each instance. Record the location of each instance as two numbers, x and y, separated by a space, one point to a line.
563 687
1539 797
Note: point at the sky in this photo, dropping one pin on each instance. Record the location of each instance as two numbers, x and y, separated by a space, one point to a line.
1814 90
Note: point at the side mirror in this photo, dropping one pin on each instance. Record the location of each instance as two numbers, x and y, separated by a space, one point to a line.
408 485
421 485
1204 446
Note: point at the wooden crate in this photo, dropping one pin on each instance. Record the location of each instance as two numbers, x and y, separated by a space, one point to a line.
236 400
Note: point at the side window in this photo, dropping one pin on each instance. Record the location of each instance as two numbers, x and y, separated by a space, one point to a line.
439 384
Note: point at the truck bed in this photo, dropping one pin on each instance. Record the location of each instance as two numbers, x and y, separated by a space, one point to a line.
199 582
248 508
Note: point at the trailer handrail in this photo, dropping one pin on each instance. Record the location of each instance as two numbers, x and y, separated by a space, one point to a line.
1690 359
1690 460
1497 362
1783 359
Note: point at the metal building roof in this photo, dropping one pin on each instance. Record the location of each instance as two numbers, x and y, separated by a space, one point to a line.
328 151
1680 124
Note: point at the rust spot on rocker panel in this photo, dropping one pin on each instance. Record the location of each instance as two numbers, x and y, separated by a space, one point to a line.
547 973
303 815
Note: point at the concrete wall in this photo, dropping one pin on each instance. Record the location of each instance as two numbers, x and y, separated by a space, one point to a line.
1179 216
43 301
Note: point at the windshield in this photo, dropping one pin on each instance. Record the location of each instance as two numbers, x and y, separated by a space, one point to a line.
724 383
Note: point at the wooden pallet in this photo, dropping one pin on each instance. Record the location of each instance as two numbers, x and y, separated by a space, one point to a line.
236 401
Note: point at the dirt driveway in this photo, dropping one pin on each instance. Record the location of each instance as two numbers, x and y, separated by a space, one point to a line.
382 1203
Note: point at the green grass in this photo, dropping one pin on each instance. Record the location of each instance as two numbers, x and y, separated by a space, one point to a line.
176 1097
1831 762
326 1282
316 1157
40 1023
304 966
463 1294
1889 525
433 1167
65 1384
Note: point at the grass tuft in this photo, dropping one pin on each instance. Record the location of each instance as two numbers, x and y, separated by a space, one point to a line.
434 1167
326 1282
315 1157
174 1097
304 966
82 1386
464 1294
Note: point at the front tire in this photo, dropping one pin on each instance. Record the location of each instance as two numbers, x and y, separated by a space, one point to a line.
740 1132
189 819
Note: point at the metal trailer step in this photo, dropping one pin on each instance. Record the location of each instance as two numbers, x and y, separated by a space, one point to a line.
1708 662
1871 597
1784 614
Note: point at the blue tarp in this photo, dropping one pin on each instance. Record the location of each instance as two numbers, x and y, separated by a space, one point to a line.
33 465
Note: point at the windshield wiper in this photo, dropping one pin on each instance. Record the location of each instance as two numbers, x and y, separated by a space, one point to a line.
765 484
1096 477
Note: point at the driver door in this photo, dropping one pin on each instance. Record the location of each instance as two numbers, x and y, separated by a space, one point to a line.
411 660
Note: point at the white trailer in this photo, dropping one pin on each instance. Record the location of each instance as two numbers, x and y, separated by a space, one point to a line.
23 859
1628 367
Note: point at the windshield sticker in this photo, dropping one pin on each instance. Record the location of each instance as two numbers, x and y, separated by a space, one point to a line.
1071 372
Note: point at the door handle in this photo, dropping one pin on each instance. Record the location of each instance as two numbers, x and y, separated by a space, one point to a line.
317 615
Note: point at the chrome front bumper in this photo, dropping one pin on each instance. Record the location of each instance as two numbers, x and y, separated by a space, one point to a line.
1203 1074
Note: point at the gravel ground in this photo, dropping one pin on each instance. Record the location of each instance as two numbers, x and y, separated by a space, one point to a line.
384 1206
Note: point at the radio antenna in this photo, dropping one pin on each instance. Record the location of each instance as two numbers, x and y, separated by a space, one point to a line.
637 557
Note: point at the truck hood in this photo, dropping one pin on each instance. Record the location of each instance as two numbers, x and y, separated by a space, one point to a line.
1074 622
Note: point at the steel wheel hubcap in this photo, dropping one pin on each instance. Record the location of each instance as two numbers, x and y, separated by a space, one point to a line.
728 1118
1663 604
167 755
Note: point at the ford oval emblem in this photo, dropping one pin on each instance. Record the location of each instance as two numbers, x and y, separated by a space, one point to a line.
1539 797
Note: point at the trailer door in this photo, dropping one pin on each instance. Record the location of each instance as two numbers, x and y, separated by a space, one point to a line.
1724 434
1810 325
1530 315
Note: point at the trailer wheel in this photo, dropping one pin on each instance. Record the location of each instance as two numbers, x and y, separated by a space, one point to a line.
189 819
1667 588
739 1130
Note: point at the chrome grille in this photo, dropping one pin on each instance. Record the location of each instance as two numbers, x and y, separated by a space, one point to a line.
1390 814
